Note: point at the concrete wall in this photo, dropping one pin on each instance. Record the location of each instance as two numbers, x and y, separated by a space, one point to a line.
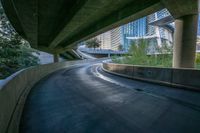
183 78
14 90
45 58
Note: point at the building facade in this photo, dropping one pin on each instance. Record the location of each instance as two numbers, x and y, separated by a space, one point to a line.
105 40
152 28
134 29
157 28
116 40
110 40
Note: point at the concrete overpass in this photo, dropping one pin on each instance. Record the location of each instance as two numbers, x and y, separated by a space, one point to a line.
56 25
78 96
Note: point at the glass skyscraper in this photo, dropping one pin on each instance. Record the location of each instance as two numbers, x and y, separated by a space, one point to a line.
136 28
142 28
139 29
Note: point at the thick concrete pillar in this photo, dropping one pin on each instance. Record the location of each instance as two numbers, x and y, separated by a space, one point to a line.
56 58
185 41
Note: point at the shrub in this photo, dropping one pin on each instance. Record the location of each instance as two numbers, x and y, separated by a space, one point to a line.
198 58
15 54
140 54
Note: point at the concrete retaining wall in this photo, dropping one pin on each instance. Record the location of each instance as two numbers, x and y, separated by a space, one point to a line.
15 89
184 78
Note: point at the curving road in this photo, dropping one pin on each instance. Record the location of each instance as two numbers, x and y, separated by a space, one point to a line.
84 99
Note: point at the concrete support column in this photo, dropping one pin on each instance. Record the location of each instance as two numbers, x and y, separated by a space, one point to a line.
56 58
185 41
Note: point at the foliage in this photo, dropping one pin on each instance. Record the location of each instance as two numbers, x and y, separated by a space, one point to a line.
140 54
15 54
93 43
6 28
198 60
120 47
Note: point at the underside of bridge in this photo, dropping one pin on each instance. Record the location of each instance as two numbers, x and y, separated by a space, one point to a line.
55 26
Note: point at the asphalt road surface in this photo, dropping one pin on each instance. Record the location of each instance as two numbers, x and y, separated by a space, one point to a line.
85 99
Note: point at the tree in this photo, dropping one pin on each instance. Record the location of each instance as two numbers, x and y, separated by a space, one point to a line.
139 54
15 52
6 29
93 43
120 47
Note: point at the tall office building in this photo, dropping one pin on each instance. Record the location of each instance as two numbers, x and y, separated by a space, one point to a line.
162 24
110 39
116 40
105 40
134 29
156 28
152 27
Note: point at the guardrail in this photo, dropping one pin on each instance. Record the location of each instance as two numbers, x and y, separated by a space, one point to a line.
101 51
183 78
14 90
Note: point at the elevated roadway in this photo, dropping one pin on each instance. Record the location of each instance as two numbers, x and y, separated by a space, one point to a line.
56 25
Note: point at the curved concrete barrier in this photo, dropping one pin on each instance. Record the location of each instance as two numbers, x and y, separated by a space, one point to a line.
183 78
15 89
